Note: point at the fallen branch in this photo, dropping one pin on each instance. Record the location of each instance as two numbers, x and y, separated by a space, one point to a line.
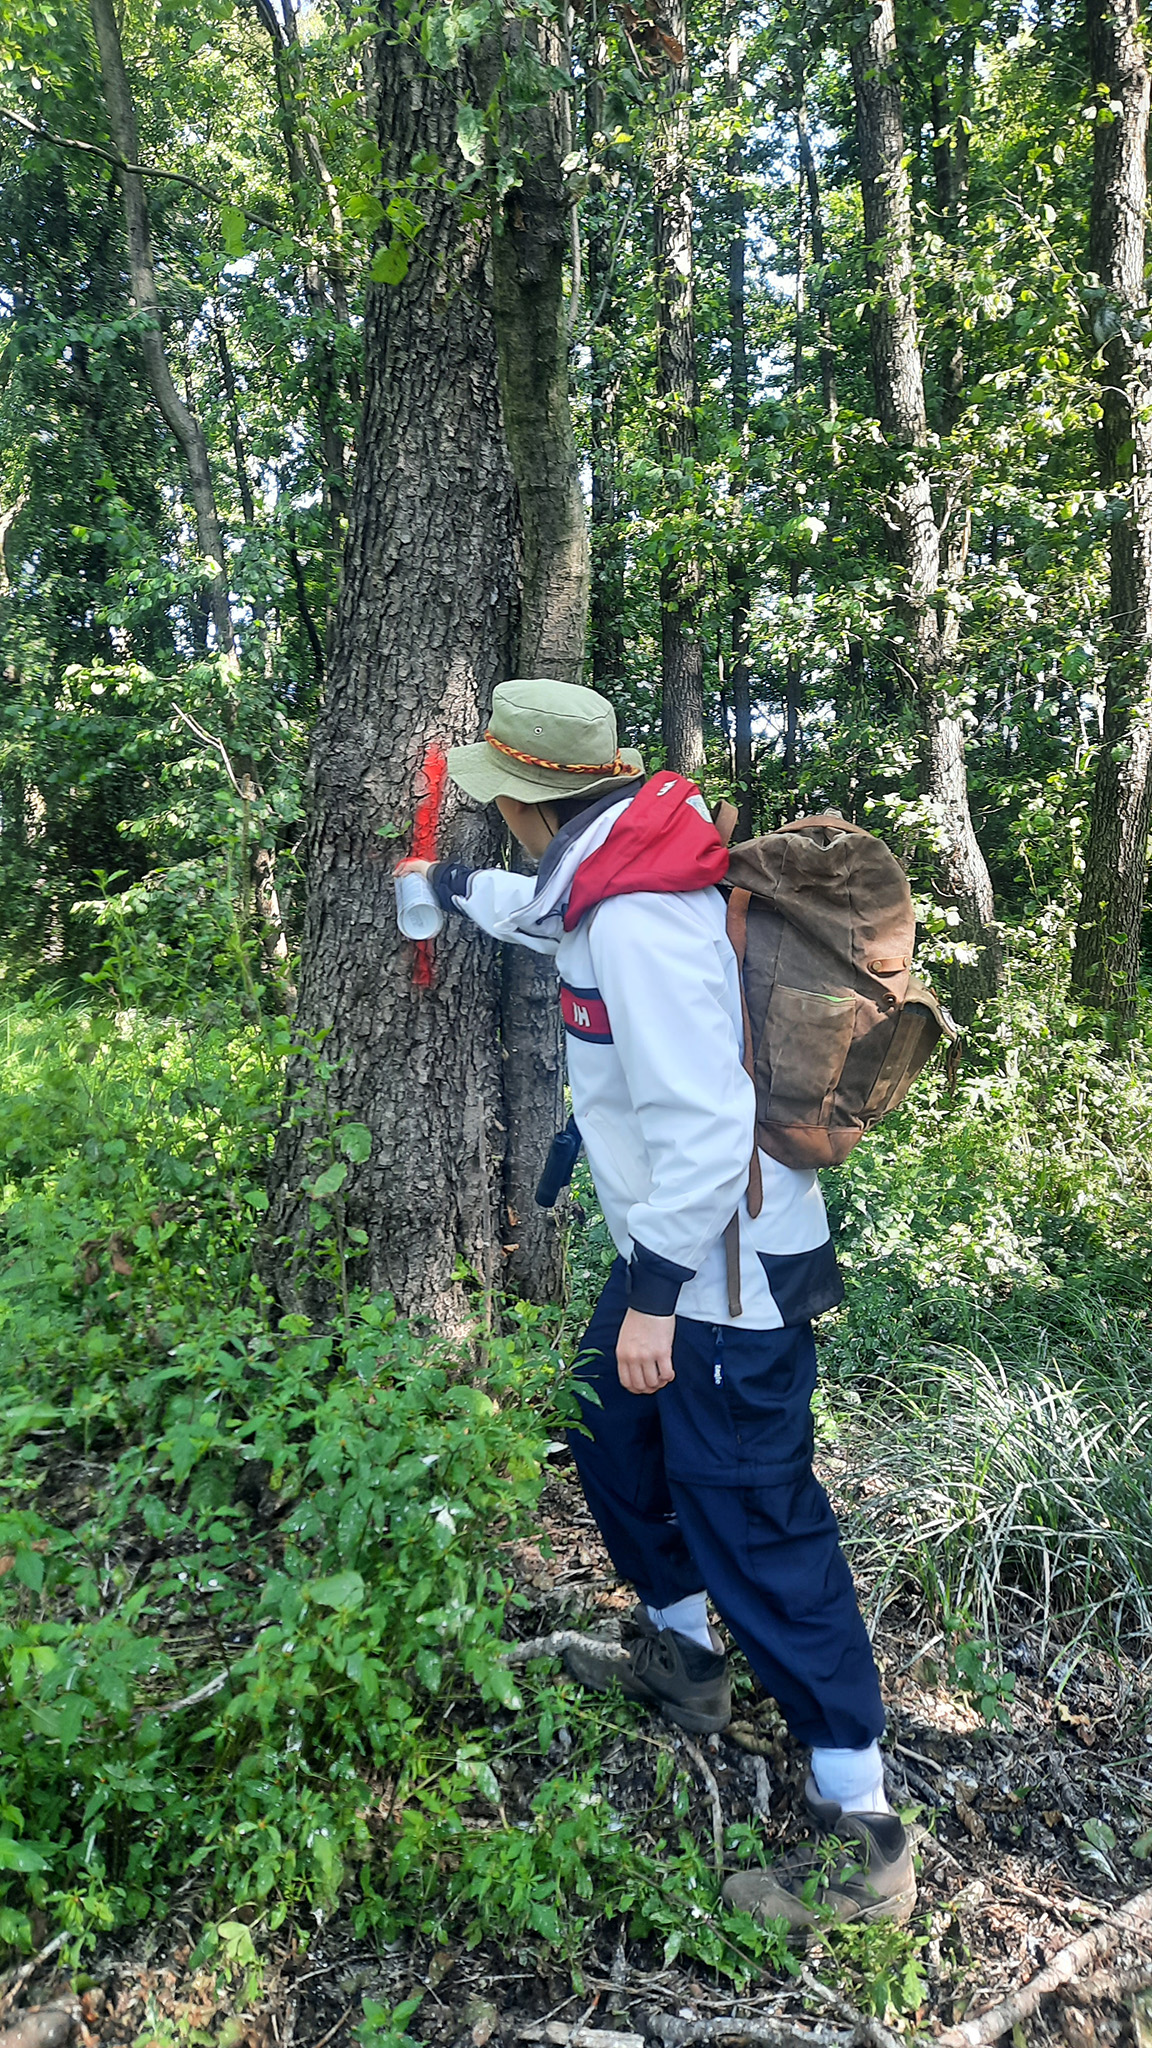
46 2026
561 2036
559 1640
865 2027
1070 1963
673 2032
20 1977
713 1791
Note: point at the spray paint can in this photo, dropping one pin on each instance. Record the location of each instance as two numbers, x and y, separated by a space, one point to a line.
418 914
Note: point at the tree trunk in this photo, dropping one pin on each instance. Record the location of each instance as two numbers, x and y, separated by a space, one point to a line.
606 625
1106 962
529 246
739 569
681 586
426 627
898 380
150 328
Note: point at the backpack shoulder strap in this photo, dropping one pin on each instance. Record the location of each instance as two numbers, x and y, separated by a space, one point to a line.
737 923
725 817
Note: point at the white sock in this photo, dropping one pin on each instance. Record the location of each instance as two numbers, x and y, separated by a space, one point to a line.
689 1617
854 1778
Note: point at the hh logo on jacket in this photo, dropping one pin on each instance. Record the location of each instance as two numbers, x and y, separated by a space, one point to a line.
585 1014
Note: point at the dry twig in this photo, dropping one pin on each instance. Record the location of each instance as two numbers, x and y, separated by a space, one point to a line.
1070 1963
713 1790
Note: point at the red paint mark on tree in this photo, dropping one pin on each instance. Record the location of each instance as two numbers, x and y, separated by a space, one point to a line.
426 843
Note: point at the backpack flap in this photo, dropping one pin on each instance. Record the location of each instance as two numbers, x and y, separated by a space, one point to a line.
920 1026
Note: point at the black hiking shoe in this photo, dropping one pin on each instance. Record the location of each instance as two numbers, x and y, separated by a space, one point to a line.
861 1870
689 1684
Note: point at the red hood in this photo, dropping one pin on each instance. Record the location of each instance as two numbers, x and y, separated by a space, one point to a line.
660 843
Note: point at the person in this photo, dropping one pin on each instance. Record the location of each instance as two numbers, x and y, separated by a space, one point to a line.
697 1456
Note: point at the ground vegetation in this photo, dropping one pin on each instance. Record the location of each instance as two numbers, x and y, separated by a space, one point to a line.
837 323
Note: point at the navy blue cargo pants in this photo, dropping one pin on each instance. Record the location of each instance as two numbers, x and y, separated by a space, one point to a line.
709 1483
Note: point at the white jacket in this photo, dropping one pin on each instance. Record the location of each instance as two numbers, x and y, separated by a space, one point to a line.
650 994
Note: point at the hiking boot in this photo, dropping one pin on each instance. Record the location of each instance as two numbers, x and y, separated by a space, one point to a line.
862 1871
688 1683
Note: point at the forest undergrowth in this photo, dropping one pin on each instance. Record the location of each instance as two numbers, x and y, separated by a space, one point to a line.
257 1581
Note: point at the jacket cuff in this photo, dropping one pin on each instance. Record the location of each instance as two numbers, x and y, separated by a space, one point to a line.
449 879
654 1283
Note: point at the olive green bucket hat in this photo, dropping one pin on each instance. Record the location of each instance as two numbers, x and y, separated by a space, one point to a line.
545 739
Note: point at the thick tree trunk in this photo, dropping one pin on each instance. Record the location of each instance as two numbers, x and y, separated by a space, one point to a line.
530 243
1106 963
681 586
426 627
150 331
897 372
606 623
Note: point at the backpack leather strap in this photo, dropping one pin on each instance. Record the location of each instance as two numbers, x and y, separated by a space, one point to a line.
737 925
732 1264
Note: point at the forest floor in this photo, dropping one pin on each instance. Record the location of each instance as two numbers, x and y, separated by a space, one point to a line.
1028 1835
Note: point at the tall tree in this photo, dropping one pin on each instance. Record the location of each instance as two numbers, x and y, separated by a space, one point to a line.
681 580
606 621
142 269
929 621
426 627
1106 962
739 566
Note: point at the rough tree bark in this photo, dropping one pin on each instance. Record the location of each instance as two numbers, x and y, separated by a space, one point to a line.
898 381
150 331
529 246
1106 962
426 627
681 587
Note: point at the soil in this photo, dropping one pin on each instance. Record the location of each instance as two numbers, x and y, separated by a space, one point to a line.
1027 1834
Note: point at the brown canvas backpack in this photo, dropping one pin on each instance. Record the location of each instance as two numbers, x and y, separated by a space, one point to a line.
836 1027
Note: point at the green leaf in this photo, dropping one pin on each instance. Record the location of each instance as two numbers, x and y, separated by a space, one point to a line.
390 265
343 1589
19 1856
356 1142
470 133
331 1180
29 1569
232 229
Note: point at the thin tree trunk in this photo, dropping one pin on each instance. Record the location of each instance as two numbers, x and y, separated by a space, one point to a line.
739 570
816 241
326 309
606 624
898 380
150 328
228 379
529 247
426 626
1106 962
681 588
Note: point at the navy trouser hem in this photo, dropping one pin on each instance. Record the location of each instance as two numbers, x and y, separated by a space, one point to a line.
710 1482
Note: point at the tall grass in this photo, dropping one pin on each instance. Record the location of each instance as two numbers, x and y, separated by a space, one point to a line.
990 1379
